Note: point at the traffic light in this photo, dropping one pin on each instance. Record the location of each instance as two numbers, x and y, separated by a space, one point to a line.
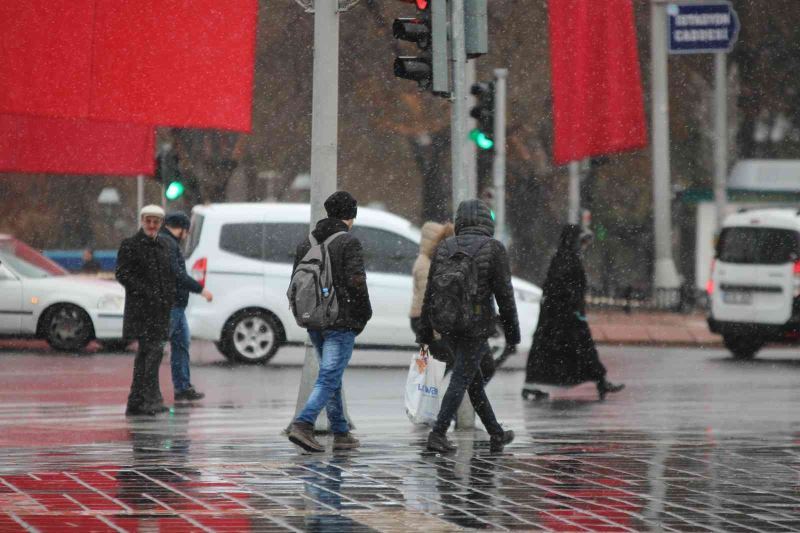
483 112
168 174
428 30
174 190
476 27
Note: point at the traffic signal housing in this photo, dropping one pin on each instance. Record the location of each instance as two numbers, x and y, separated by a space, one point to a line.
169 175
483 112
428 30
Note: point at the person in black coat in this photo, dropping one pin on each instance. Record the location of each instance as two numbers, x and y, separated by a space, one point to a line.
474 231
563 352
175 230
145 269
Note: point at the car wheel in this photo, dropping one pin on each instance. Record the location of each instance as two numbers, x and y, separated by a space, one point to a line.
114 345
742 347
67 328
251 337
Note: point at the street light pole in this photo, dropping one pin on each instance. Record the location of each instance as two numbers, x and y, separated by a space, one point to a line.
324 116
721 134
666 275
499 162
458 112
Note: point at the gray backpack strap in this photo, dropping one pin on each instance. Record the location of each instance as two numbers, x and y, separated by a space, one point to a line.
333 237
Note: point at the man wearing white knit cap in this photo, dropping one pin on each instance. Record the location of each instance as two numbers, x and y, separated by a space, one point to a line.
145 270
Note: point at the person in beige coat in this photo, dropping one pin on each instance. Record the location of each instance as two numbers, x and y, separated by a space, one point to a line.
432 234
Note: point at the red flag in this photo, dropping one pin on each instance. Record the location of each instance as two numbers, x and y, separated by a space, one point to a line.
175 62
75 146
45 57
182 63
597 90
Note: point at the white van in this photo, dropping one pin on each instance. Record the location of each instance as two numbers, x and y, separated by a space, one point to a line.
243 253
755 280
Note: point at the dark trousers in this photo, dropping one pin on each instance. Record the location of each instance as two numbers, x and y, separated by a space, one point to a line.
145 388
467 378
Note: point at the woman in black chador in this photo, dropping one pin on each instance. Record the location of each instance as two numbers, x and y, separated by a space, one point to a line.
563 352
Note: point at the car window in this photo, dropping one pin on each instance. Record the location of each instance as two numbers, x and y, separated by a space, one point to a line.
281 240
26 261
244 239
385 251
194 234
766 246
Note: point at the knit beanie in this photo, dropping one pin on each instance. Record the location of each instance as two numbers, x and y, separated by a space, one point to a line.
341 205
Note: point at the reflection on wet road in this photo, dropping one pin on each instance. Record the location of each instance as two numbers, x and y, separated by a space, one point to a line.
695 443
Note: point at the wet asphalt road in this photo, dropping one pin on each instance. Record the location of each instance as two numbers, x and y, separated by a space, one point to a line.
696 442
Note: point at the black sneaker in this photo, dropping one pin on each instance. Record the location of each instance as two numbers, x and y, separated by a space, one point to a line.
498 442
303 435
149 410
439 443
189 395
140 411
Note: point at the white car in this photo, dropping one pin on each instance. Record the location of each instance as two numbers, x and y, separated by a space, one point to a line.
243 253
40 299
754 286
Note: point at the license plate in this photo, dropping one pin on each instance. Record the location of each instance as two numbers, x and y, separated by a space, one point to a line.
737 297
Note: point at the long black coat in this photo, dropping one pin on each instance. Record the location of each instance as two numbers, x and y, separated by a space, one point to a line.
563 352
349 276
474 225
145 269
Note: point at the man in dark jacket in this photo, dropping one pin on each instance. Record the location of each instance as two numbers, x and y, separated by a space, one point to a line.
474 231
175 230
335 345
145 270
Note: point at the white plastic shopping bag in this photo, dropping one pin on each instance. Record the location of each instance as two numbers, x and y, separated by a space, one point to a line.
423 388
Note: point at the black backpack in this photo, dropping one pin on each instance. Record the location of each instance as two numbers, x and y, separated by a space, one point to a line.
453 302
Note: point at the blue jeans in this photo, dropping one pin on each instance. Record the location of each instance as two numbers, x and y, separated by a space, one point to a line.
179 348
334 349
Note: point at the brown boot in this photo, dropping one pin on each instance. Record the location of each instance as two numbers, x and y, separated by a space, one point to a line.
302 434
345 441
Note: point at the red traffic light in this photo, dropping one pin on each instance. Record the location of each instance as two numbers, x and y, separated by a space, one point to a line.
422 5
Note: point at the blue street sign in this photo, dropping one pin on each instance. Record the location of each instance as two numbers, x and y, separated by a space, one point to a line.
702 27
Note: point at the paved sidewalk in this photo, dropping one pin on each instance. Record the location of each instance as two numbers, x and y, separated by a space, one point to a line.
696 442
651 328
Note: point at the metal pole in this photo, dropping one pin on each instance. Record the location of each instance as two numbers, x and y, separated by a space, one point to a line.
465 418
666 275
470 150
139 196
499 163
458 133
721 134
574 213
324 115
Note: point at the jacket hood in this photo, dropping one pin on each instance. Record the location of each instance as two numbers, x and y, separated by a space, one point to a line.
327 227
432 234
474 216
570 238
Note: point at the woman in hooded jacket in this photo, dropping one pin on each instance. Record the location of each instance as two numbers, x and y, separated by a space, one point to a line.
432 234
563 351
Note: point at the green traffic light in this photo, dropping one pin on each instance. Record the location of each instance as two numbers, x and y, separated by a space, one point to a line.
174 190
483 141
